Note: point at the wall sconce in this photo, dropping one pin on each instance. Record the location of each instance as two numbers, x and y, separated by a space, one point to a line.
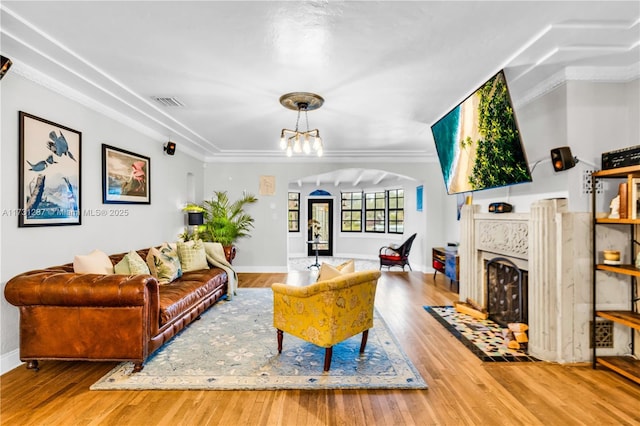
170 148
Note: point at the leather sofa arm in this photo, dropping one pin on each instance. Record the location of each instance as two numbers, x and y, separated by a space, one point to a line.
61 288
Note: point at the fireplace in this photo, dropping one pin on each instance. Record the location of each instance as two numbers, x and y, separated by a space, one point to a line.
506 291
551 247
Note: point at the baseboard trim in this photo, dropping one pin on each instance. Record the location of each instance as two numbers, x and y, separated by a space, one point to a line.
9 361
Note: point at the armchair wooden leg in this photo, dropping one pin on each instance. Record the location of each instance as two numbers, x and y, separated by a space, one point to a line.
365 336
280 341
328 353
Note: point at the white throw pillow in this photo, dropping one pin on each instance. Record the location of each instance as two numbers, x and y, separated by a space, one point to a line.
328 272
96 262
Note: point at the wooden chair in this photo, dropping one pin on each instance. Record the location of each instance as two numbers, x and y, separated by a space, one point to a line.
396 256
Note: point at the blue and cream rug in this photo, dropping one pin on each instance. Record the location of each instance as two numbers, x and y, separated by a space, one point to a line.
234 347
484 338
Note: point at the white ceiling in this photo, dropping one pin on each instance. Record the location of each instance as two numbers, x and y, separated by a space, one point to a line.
387 70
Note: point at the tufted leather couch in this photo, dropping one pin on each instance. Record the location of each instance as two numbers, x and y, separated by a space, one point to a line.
93 317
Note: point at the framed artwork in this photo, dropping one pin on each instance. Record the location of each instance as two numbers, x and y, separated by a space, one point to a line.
267 185
125 177
419 197
48 173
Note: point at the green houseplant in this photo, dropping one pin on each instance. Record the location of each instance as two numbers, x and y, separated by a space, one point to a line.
225 221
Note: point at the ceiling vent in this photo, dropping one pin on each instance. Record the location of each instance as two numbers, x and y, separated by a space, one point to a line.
168 102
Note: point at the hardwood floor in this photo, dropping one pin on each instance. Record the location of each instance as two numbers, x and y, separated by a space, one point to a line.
462 389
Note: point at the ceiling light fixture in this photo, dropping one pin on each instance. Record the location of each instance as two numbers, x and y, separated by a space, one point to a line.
295 140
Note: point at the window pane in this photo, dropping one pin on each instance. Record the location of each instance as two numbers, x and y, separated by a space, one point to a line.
293 206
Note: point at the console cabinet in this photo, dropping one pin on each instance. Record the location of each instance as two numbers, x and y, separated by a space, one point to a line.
627 365
446 262
438 260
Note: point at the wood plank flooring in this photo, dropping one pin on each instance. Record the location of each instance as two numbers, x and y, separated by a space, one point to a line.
462 389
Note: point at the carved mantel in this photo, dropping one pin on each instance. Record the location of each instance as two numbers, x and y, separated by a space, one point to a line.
508 236
554 246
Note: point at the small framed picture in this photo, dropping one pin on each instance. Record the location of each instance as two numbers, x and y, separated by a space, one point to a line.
49 173
419 198
125 177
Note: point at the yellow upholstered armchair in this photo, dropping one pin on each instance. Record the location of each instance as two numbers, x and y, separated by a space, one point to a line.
326 312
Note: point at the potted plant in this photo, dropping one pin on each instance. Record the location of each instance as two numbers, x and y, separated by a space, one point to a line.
224 221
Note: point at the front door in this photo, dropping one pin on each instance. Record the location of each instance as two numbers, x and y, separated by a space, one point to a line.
322 211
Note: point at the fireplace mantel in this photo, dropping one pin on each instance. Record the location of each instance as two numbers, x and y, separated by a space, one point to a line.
555 246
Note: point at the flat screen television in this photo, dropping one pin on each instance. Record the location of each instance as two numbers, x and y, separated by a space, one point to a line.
478 142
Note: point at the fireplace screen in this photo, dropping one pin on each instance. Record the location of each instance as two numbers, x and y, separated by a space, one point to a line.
506 291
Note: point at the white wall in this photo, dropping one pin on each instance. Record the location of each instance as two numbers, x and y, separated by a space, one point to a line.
23 249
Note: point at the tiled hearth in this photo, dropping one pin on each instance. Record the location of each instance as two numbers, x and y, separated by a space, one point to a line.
554 246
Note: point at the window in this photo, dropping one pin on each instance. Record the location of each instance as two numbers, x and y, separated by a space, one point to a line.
294 212
351 211
396 211
374 211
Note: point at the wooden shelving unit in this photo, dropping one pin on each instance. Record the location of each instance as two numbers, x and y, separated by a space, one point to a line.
626 365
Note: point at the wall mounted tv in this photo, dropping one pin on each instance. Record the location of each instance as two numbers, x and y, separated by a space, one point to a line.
478 142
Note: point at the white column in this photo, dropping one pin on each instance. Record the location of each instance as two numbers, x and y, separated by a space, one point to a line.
544 252
470 285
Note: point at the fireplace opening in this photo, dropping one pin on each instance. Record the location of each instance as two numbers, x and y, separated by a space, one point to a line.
506 291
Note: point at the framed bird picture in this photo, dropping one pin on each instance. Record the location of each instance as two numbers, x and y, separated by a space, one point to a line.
49 173
125 177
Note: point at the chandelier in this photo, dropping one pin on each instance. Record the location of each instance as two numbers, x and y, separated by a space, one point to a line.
296 140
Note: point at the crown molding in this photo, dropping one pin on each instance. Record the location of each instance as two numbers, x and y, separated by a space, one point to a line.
328 158
591 74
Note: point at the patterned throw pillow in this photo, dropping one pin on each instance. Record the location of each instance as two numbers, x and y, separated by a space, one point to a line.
96 262
132 264
137 265
192 255
164 264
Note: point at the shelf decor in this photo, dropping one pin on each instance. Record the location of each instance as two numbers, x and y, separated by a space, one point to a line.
48 173
125 177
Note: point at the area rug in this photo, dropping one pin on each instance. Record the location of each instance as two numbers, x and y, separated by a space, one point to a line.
234 347
484 338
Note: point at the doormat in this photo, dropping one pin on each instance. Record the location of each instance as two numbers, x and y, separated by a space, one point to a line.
234 347
484 338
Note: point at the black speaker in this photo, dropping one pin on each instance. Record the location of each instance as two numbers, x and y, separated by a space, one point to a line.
170 148
5 64
562 159
500 208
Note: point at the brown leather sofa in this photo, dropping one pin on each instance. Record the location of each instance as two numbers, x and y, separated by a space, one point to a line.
92 317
